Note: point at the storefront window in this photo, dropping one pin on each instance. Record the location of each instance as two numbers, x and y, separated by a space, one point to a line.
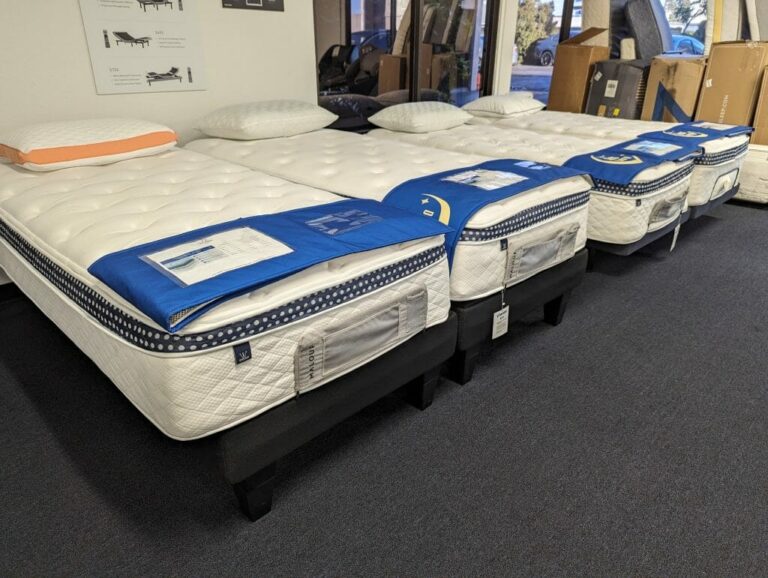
538 33
688 21
452 37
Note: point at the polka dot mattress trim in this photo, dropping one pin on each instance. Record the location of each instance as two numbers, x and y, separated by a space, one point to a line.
156 340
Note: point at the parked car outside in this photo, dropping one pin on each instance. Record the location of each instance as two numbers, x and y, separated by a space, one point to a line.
376 38
687 44
542 52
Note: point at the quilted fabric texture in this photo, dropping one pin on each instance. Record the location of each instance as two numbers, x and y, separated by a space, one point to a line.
502 106
707 179
420 117
267 119
369 168
754 176
56 145
76 215
613 218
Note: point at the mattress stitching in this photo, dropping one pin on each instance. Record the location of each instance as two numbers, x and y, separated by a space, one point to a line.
149 338
525 219
636 189
722 157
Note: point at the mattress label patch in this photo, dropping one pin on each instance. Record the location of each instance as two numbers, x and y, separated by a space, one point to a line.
242 352
205 258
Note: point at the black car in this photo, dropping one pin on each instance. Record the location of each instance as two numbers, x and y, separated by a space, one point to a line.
542 51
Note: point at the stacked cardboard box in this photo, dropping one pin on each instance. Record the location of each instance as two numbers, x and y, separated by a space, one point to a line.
573 71
674 83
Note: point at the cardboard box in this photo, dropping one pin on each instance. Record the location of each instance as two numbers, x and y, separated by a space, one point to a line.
425 67
673 89
732 82
617 88
573 69
760 136
393 70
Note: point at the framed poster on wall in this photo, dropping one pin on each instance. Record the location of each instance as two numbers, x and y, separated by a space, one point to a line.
272 5
144 45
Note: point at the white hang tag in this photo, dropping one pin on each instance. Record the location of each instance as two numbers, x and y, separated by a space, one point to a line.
674 238
500 322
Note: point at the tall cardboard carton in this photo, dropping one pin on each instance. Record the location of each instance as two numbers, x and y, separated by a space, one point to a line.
732 82
673 89
574 62
760 136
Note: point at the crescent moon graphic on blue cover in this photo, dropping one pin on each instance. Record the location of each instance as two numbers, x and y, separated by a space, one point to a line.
445 209
617 159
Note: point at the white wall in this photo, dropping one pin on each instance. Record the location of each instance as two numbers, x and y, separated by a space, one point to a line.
45 70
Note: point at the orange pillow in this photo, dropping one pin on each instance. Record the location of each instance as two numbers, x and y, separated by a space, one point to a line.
58 145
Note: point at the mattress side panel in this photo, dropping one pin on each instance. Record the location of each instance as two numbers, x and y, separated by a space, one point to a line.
191 396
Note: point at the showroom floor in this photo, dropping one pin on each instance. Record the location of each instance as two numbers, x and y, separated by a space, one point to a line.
632 439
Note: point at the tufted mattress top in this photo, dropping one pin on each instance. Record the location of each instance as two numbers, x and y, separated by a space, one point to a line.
613 129
493 141
368 168
75 216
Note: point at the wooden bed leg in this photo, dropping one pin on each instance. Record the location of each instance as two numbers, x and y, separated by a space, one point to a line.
462 366
255 493
421 391
555 310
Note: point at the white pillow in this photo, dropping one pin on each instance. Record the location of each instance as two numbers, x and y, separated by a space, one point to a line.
266 119
420 117
507 105
57 145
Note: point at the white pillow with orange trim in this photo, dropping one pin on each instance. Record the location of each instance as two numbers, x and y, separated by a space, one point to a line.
58 145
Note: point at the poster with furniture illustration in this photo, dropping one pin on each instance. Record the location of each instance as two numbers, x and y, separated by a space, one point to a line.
144 45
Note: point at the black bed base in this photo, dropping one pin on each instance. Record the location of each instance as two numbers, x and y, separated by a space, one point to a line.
701 210
248 452
549 289
9 291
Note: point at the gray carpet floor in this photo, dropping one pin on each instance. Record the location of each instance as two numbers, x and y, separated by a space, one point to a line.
632 439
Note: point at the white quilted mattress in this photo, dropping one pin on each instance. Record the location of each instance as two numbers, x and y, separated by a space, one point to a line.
54 225
487 257
653 201
714 174
754 176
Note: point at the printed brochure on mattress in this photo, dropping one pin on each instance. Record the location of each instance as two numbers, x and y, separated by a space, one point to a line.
205 258
486 180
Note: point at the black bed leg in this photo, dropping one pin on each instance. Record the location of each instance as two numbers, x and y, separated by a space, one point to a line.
8 292
421 391
555 310
255 493
462 365
591 255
